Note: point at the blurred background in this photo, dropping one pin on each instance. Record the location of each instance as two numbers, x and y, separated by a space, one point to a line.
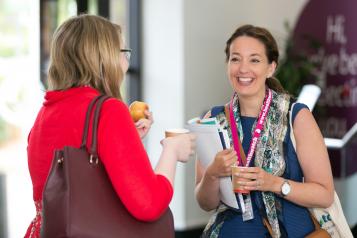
178 68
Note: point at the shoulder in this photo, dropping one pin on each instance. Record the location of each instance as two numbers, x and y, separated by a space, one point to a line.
115 110
113 104
297 108
302 118
216 110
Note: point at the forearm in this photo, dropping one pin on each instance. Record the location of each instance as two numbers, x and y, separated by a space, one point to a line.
307 194
207 192
167 165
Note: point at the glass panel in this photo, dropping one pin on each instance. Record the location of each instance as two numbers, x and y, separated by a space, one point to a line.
119 12
66 9
119 15
53 14
20 98
93 7
19 64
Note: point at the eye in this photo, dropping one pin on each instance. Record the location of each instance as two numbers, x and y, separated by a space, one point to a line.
255 60
234 59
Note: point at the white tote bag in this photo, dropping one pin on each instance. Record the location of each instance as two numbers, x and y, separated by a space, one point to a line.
332 218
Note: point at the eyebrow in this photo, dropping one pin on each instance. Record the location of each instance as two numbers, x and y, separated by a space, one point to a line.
252 55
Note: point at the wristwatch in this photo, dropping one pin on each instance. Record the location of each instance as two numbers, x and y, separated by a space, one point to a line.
285 188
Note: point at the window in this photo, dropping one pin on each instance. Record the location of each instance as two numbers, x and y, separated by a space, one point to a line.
123 12
52 14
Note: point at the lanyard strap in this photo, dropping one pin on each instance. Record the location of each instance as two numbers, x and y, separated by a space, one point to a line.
241 150
257 131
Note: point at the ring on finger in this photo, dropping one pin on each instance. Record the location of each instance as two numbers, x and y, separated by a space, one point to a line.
258 183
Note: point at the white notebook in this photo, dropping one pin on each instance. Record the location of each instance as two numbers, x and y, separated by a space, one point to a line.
208 144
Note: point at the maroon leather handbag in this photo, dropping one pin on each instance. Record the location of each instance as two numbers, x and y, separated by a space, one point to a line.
79 200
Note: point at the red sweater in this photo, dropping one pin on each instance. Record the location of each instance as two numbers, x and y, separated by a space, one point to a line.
60 122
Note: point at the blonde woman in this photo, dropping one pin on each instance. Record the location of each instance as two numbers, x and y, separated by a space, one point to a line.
88 58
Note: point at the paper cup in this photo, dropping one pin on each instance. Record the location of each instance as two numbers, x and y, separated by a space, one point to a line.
175 132
237 188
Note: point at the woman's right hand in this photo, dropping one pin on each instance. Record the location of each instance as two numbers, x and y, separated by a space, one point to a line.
182 145
222 163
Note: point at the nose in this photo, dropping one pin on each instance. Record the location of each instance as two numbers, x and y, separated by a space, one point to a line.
243 67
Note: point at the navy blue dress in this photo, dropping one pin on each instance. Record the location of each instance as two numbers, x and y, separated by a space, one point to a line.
296 220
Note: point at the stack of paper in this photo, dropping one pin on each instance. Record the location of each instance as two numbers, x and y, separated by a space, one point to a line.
211 138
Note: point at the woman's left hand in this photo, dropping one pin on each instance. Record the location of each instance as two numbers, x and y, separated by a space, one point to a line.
143 125
259 179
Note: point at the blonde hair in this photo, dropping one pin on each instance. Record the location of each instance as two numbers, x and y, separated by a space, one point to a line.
85 50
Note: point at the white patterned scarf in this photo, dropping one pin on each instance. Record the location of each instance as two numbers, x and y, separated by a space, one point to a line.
269 152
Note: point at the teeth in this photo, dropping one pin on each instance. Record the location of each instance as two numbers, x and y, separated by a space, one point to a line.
245 79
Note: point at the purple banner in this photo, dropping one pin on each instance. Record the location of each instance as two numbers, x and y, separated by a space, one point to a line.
326 31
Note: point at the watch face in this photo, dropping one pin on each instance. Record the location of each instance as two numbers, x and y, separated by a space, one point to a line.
285 189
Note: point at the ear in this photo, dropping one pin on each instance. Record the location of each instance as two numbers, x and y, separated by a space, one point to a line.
272 68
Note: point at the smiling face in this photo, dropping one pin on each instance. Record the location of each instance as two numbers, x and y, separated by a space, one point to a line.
248 66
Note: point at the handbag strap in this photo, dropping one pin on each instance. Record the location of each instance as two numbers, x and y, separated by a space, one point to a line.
95 105
93 148
87 119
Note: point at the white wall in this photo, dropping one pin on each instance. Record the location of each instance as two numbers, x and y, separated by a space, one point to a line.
207 26
184 69
163 70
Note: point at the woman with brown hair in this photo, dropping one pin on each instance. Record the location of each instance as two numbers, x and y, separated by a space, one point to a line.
88 58
280 182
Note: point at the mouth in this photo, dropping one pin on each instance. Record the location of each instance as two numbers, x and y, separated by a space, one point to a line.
245 81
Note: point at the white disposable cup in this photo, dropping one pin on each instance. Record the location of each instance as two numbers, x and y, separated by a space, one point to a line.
175 132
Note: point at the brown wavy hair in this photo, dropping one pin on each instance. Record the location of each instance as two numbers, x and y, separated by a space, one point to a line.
85 50
271 49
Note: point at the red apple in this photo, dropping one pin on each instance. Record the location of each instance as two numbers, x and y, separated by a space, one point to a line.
137 110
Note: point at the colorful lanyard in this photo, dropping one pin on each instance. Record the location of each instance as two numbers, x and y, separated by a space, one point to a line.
257 131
